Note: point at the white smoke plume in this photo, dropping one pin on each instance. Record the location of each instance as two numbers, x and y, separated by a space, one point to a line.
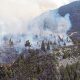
48 26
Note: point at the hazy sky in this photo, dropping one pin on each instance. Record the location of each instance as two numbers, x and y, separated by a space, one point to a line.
14 13
26 9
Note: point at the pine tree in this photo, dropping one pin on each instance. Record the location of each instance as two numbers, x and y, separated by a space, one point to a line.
43 46
2 73
48 46
27 44
10 43
64 44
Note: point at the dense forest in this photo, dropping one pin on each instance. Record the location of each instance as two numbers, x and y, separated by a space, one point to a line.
41 64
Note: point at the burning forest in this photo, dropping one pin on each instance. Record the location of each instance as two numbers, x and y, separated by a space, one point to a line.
46 47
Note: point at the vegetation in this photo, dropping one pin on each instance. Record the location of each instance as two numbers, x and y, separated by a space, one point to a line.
70 72
48 46
43 65
43 46
33 67
36 67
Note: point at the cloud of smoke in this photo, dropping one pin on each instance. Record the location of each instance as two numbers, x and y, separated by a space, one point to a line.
48 26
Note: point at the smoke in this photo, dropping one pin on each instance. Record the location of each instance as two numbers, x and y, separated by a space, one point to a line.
49 25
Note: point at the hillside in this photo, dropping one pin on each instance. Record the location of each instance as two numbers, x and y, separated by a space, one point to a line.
39 65
74 10
49 51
